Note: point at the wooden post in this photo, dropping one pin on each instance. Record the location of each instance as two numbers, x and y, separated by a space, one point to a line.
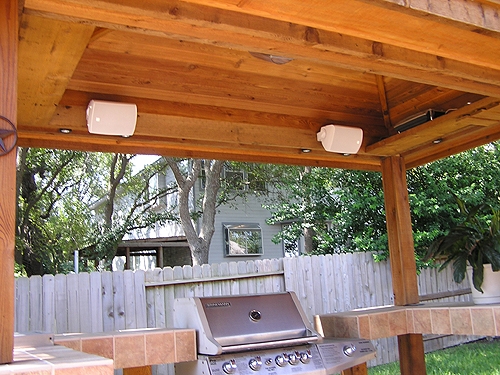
127 258
145 370
159 257
399 230
8 110
402 257
361 369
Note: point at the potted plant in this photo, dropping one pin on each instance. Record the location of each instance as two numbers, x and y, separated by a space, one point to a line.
473 247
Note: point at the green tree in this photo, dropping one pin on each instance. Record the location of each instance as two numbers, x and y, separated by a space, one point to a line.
346 208
70 200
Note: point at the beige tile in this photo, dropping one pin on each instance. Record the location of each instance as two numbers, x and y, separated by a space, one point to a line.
410 321
346 326
88 370
440 320
364 327
483 321
185 345
422 320
130 351
102 346
160 348
72 343
496 314
379 325
461 323
397 322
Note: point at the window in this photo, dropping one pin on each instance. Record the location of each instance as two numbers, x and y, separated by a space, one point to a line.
234 179
242 239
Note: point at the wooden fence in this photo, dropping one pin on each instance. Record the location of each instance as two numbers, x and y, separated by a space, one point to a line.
107 301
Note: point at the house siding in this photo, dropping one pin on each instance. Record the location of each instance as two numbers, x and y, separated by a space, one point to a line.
245 212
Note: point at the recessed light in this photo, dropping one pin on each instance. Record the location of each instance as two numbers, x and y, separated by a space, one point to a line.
305 150
65 130
436 141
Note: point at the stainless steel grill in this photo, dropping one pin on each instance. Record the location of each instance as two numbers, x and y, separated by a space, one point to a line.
261 334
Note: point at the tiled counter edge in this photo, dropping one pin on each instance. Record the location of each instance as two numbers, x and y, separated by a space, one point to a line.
432 318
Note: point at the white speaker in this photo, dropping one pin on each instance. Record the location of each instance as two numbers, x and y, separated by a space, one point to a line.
111 118
340 139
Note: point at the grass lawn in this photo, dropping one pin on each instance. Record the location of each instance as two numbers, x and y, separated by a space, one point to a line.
478 358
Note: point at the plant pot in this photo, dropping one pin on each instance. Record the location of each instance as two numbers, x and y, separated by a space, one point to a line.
491 286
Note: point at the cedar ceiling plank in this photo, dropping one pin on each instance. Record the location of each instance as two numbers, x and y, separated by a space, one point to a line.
49 51
226 28
227 105
432 130
164 49
194 150
210 82
384 23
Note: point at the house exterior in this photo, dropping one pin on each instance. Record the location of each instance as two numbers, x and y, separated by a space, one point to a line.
241 232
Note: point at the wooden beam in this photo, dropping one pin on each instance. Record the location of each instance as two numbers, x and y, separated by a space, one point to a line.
8 110
383 102
484 112
399 230
191 149
333 42
47 67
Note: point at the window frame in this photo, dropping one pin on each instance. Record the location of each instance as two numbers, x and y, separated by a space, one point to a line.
241 227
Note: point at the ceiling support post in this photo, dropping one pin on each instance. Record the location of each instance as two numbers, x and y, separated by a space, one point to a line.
8 110
402 258
399 231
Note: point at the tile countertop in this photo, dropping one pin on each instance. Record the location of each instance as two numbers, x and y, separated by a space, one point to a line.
432 318
99 353
36 354
136 348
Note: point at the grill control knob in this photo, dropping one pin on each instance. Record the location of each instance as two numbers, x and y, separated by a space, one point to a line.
229 367
305 357
293 358
280 360
255 363
349 350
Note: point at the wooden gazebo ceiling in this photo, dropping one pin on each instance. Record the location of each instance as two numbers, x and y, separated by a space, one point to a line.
191 68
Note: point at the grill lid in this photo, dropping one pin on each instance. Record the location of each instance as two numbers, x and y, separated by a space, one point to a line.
236 323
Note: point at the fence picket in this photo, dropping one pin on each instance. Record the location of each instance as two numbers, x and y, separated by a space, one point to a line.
96 301
84 308
48 304
22 305
35 297
108 312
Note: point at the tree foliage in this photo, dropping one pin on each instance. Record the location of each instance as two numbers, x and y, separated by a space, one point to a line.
346 208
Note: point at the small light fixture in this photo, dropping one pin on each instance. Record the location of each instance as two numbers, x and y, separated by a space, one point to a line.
279 60
65 130
305 150
437 141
